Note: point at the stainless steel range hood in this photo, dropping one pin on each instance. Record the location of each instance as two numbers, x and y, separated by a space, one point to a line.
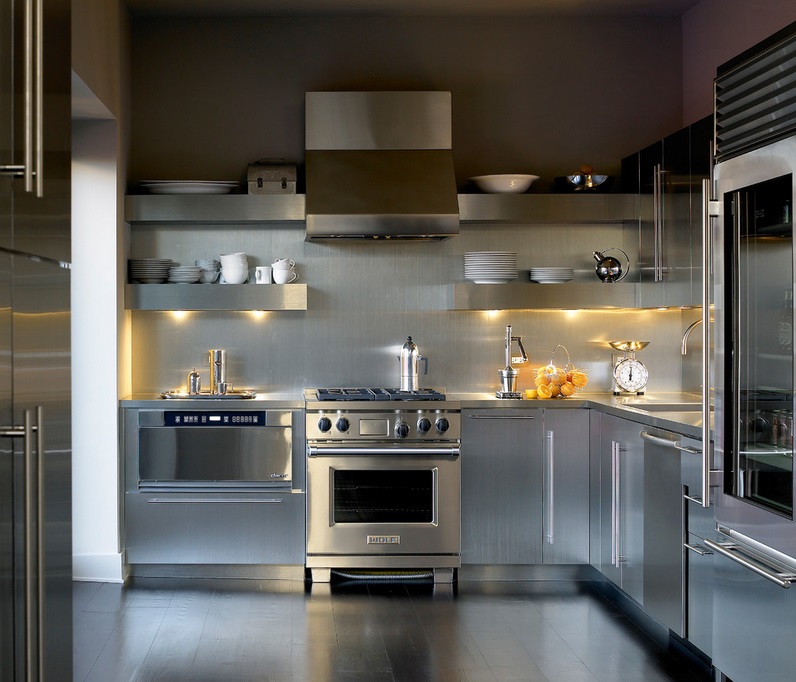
380 165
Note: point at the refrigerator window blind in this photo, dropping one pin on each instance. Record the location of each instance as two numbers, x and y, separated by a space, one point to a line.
755 100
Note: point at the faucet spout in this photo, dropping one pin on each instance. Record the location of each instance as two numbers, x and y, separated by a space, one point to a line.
686 334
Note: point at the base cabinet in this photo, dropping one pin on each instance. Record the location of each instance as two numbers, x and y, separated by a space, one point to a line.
179 528
698 557
501 491
565 487
617 487
664 527
525 486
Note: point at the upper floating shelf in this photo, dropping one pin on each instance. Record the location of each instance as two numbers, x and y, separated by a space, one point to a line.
474 208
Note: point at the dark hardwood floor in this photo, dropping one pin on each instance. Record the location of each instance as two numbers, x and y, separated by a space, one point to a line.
230 631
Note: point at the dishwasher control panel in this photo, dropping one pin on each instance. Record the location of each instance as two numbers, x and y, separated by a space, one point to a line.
210 418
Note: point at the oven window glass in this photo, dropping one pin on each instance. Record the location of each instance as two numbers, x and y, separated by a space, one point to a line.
383 496
761 319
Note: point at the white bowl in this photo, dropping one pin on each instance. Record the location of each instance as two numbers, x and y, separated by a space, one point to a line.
504 184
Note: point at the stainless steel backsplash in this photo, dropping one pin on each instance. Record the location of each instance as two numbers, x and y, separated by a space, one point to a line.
365 298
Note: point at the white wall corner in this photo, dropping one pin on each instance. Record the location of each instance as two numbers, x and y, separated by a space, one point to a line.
103 568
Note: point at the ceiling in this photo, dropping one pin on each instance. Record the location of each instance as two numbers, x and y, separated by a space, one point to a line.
410 7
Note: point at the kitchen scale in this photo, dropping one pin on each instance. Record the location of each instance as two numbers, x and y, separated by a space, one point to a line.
629 374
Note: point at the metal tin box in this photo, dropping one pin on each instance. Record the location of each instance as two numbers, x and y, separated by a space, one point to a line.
272 178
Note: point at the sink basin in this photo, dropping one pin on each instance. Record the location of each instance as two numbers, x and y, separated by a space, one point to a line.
667 407
184 395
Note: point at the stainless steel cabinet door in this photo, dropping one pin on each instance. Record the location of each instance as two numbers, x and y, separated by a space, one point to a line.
501 486
565 486
621 476
663 529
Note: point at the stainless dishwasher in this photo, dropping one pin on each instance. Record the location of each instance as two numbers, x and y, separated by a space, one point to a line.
212 486
220 449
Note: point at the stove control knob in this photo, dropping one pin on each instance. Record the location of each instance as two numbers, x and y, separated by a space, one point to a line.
443 425
402 429
342 424
324 424
424 425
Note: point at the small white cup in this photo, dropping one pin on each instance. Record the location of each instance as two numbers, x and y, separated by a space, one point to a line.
262 274
283 264
283 276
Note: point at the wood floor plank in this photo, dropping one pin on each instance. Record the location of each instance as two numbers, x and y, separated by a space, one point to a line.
161 630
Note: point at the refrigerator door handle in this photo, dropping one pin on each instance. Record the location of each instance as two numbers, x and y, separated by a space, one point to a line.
710 209
33 475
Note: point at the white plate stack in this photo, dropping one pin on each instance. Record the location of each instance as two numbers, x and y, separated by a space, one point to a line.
184 274
149 270
490 267
189 186
551 275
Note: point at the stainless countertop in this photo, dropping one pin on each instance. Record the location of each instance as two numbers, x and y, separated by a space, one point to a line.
637 408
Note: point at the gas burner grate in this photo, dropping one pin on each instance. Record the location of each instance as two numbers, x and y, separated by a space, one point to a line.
332 394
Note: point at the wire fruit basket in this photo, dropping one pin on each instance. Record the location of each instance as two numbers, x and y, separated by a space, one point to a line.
557 381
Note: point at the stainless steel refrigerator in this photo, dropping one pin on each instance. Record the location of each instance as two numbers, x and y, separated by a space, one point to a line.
35 382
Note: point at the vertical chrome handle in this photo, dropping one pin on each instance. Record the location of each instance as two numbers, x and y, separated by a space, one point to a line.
31 545
735 356
27 95
661 223
38 136
40 564
550 489
656 219
710 209
615 510
33 95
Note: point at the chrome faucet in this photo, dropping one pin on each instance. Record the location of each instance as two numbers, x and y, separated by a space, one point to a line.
686 334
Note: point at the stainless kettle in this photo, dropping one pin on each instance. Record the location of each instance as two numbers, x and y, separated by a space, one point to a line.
609 269
410 357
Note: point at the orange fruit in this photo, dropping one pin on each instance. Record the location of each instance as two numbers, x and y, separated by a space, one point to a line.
531 393
541 380
579 379
555 390
567 388
544 391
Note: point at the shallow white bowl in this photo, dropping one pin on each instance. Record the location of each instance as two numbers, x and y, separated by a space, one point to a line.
504 184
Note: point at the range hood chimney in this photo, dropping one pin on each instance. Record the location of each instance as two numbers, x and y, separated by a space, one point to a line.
380 165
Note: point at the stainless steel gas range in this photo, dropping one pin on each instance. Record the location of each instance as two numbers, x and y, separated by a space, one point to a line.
383 483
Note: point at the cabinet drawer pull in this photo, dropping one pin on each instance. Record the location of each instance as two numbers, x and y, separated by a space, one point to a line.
201 500
735 553
500 416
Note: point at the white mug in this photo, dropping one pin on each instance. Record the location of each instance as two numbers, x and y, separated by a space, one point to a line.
283 264
285 276
262 274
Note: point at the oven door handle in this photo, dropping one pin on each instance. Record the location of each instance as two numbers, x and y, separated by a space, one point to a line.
365 450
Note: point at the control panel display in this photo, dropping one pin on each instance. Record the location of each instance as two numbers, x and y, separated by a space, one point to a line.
222 418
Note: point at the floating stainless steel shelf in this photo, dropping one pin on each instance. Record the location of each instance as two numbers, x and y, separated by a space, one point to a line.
215 297
214 208
578 207
524 295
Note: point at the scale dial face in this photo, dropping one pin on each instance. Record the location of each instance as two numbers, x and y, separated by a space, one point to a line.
631 375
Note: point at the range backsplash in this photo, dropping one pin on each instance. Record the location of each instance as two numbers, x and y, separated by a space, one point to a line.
365 298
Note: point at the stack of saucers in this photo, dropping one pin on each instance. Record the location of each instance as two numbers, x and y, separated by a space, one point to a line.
490 267
184 274
210 269
149 270
551 275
